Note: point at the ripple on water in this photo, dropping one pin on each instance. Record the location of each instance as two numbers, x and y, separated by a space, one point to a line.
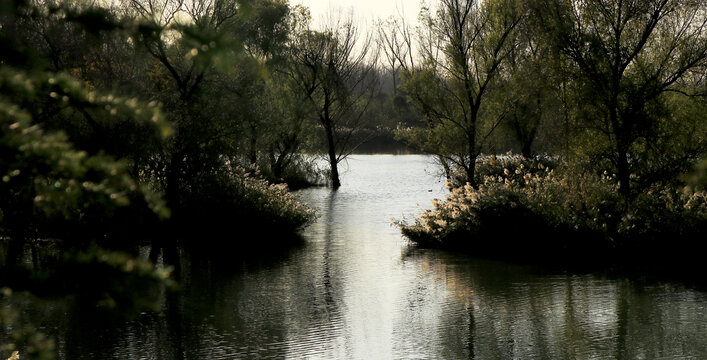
356 290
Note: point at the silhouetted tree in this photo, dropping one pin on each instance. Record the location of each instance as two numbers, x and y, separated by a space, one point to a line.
334 72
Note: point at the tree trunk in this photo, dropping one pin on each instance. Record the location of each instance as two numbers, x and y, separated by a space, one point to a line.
333 163
328 128
172 192
253 151
618 129
471 169
277 167
526 150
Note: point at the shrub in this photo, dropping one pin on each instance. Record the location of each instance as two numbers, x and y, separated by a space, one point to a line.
272 201
506 166
570 213
235 198
48 187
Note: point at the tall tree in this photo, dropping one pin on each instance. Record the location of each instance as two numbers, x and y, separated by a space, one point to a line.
393 41
180 58
528 94
208 56
627 56
334 72
290 129
465 46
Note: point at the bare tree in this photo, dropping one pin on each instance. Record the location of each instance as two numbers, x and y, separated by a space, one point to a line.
463 48
335 72
395 41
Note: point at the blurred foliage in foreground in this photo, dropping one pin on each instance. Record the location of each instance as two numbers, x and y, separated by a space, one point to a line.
81 165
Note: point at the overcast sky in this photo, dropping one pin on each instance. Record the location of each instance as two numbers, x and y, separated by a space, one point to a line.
365 11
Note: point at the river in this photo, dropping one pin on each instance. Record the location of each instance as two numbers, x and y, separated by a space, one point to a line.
355 289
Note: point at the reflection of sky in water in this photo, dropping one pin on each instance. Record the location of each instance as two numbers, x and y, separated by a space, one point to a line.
363 251
357 290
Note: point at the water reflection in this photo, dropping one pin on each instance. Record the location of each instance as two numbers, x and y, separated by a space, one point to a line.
354 289
515 312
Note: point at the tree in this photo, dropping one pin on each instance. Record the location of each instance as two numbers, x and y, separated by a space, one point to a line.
291 130
627 57
527 94
185 54
334 73
465 47
51 189
264 31
61 37
396 42
210 64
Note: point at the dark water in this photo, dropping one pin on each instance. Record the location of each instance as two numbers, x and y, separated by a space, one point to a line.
356 290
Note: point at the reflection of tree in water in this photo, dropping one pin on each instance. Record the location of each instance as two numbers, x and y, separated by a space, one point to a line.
622 313
203 320
79 329
314 317
290 305
512 313
259 305
228 306
329 235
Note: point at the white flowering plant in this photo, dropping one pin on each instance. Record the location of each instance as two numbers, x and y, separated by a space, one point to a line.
237 196
518 198
272 201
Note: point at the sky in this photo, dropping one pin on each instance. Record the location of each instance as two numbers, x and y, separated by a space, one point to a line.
366 12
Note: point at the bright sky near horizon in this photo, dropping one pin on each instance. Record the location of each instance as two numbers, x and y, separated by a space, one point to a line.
365 12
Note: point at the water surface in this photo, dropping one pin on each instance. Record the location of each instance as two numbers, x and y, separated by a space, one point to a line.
355 289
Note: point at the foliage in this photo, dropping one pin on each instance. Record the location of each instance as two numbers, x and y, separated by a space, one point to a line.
465 47
284 134
698 178
563 212
52 189
45 180
95 279
273 202
506 166
34 344
626 59
237 195
300 172
614 90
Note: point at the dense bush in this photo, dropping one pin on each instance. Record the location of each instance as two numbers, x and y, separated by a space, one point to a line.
271 201
530 207
239 198
507 166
